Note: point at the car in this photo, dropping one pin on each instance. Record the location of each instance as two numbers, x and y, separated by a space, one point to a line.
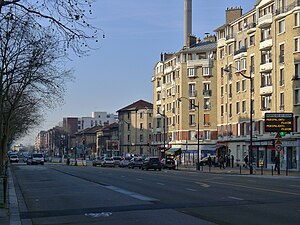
169 164
107 161
151 163
117 160
204 161
13 158
135 162
97 161
125 161
35 158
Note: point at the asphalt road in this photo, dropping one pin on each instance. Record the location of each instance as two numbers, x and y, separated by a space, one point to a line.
59 194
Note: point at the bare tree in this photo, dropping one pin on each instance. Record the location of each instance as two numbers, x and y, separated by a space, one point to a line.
32 74
70 18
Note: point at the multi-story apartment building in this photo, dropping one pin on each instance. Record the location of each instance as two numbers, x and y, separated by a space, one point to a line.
97 119
41 141
185 88
262 45
135 128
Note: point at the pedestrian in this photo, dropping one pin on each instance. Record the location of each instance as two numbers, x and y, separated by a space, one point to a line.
276 161
232 161
221 162
209 161
246 161
228 160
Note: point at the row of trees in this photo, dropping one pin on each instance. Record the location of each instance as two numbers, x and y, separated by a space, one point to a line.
35 37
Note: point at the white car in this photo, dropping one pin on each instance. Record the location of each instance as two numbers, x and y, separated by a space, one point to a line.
35 158
107 161
13 158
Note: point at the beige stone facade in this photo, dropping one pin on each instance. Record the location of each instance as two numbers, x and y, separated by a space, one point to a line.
188 75
262 44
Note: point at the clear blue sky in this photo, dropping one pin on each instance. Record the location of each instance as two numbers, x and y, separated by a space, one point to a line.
136 32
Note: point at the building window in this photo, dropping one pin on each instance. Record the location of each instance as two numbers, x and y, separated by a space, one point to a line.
281 101
281 78
192 120
238 110
244 85
281 26
222 110
222 53
297 19
206 135
237 65
238 86
206 119
192 104
252 40
230 49
191 72
244 64
230 110
206 71
141 138
141 126
141 115
297 71
206 103
297 97
281 54
266 102
192 90
192 135
128 137
128 126
297 44
266 80
265 34
222 91
252 66
244 106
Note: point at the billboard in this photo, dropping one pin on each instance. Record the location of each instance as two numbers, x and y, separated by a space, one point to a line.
279 122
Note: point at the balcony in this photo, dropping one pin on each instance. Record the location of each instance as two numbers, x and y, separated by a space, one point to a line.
265 21
207 92
266 66
266 43
168 69
242 52
281 12
158 129
251 28
199 62
230 38
221 42
266 90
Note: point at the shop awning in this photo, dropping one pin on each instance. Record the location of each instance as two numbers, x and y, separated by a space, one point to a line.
173 151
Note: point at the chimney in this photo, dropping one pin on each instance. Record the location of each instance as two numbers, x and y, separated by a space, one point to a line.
233 14
187 21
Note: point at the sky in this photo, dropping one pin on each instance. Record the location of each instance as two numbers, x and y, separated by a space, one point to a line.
119 72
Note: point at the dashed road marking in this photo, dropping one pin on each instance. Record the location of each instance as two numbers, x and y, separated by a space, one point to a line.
139 179
190 189
131 194
161 184
203 184
236 198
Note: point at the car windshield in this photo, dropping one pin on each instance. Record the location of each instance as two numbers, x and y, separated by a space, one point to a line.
154 160
37 155
108 159
13 156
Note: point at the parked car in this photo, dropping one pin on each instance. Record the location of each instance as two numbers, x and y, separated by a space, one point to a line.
35 158
204 161
117 160
151 163
13 158
97 161
169 164
107 161
135 162
125 161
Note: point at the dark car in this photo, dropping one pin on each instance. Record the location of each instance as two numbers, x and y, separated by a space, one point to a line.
151 163
169 164
135 162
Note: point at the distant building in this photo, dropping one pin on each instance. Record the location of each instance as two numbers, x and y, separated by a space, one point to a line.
97 119
41 141
135 128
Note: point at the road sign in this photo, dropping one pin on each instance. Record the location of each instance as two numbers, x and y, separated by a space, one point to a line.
279 122
277 135
278 148
278 142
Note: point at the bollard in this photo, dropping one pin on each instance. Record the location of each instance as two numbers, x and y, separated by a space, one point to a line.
272 170
240 169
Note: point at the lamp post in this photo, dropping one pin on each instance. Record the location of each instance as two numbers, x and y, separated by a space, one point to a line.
198 130
227 70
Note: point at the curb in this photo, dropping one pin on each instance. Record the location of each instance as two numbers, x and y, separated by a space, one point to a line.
14 214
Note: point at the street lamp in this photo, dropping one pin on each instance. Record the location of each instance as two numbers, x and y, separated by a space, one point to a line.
227 70
198 128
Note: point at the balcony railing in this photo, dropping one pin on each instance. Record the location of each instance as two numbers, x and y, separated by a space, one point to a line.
207 92
287 8
251 25
241 50
193 93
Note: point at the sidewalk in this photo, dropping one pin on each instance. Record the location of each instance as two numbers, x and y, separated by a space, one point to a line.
238 171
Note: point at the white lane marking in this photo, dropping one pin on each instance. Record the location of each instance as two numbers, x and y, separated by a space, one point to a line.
131 194
294 186
203 184
139 179
161 184
235 198
122 176
95 215
190 189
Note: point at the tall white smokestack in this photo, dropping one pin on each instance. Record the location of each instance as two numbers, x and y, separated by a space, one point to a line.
187 21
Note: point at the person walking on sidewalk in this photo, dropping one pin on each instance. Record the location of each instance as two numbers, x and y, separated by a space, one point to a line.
246 161
276 161
221 162
232 161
